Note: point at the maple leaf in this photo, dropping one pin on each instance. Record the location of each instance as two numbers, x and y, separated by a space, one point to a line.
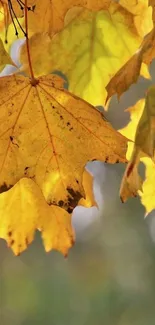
41 127
23 210
144 143
88 56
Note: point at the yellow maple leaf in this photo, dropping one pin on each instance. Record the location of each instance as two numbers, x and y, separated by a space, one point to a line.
88 56
41 127
23 209
144 143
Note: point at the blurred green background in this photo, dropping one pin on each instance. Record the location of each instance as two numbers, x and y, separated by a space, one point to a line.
109 275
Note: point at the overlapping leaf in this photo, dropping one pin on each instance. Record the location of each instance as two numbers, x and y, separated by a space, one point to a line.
41 127
88 56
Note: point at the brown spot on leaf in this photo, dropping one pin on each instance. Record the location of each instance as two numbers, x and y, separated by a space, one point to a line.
9 234
5 188
106 159
25 170
61 203
73 199
26 241
69 210
12 242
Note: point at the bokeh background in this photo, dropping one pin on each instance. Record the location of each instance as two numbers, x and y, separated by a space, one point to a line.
109 276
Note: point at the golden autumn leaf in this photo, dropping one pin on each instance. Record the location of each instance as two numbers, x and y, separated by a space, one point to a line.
23 209
41 127
131 70
88 56
144 143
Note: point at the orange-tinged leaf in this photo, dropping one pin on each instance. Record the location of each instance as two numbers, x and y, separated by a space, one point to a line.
23 209
144 142
41 127
130 72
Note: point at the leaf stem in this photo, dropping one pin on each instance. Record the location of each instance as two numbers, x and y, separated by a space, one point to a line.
33 80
